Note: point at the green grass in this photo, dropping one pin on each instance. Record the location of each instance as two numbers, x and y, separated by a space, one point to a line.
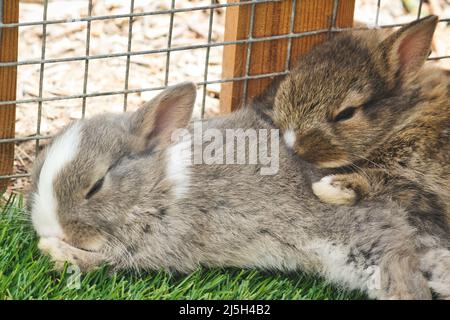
26 274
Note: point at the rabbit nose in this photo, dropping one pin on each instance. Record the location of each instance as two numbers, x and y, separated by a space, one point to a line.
290 138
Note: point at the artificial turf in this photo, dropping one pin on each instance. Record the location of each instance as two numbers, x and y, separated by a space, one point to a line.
26 274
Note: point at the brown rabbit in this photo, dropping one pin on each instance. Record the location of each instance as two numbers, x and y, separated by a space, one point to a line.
363 102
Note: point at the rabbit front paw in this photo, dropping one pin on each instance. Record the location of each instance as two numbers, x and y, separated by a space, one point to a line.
55 248
61 252
335 190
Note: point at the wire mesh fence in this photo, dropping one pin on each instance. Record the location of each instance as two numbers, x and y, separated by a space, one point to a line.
170 10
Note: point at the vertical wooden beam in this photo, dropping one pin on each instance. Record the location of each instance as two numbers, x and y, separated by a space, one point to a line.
8 80
237 22
273 19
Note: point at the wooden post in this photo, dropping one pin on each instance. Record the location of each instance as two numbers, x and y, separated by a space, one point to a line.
273 19
8 79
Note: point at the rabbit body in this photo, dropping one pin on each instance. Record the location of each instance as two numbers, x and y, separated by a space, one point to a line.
362 106
125 194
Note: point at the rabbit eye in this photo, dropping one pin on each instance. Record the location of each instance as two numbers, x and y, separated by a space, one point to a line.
345 114
95 188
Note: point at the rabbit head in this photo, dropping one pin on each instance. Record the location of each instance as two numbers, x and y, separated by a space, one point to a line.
87 179
345 93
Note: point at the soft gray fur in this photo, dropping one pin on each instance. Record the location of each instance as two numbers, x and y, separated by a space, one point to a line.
230 215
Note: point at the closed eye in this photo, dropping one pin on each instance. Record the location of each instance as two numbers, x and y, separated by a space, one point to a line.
95 188
345 114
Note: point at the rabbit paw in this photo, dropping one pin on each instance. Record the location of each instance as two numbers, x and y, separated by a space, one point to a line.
57 251
331 189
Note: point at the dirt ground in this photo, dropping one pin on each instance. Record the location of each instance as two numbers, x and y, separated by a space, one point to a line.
151 32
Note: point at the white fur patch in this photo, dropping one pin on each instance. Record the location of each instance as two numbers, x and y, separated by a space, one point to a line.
289 138
330 192
179 158
61 152
335 266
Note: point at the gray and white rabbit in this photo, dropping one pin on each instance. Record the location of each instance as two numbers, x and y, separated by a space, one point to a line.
116 189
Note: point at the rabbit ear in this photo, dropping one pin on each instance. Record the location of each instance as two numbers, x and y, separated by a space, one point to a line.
168 111
407 49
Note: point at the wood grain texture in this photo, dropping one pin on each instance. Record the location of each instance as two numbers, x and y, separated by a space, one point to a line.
270 56
8 83
237 22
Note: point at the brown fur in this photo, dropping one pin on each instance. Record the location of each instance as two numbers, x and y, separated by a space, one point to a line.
397 141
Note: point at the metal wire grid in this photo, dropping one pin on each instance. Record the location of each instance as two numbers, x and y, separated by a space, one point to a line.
129 53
